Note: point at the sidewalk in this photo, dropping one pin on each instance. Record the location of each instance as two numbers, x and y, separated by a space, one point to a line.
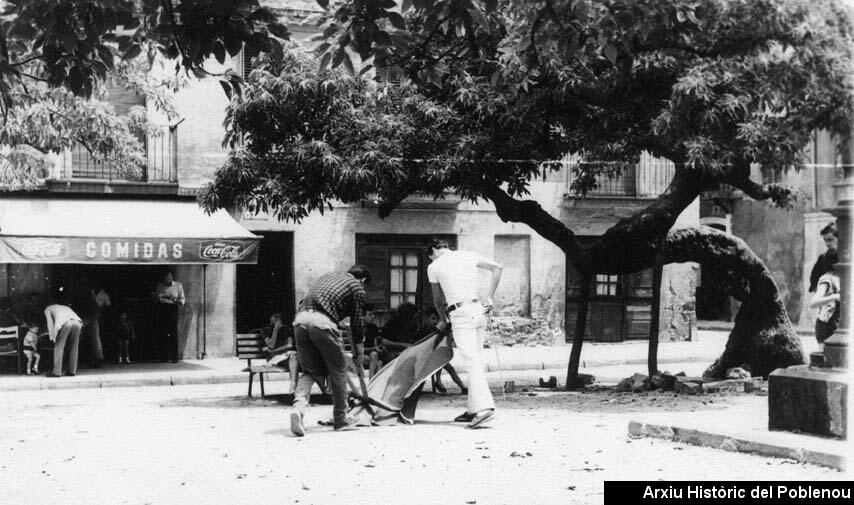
745 430
706 348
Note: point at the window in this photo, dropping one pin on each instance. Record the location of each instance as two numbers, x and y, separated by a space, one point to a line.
607 285
398 265
403 277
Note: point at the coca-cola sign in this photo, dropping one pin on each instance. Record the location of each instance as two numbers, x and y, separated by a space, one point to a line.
43 248
221 250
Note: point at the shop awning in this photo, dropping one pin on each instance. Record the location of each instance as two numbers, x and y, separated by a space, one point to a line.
37 230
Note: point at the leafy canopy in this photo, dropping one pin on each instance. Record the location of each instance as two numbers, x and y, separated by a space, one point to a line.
481 94
56 56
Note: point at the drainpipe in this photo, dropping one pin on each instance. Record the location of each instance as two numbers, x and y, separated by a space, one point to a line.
204 310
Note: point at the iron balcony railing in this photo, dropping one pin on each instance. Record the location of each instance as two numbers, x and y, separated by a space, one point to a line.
161 153
646 179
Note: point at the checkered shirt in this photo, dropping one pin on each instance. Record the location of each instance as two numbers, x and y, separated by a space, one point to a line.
338 296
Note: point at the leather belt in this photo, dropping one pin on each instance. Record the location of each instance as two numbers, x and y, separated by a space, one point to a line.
455 306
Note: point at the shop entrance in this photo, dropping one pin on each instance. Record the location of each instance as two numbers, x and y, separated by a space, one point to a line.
268 286
130 289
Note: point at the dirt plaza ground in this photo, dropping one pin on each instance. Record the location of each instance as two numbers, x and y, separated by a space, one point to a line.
209 444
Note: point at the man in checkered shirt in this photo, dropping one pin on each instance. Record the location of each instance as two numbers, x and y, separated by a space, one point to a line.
332 298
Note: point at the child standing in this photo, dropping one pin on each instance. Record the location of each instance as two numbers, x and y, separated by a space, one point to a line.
31 348
124 333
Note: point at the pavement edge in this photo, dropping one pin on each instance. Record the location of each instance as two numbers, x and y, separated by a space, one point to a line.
638 429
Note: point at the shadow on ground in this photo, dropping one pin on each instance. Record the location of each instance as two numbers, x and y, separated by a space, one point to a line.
593 399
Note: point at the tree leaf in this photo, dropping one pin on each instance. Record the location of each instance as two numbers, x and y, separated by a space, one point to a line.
227 88
397 21
219 51
611 53
132 52
279 30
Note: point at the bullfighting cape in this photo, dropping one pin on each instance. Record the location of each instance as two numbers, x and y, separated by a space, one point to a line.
398 383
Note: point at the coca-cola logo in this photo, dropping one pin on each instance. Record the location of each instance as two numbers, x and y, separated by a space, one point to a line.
221 250
43 248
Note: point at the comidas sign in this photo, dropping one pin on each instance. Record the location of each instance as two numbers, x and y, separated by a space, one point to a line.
43 248
221 250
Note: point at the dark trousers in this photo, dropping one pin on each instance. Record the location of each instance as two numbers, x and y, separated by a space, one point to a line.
167 331
321 354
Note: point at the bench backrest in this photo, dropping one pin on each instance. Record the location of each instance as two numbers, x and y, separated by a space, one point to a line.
250 346
9 341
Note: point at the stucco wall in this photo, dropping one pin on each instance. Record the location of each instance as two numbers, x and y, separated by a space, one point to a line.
777 237
324 243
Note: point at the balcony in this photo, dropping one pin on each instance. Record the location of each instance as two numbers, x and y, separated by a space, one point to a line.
645 180
81 171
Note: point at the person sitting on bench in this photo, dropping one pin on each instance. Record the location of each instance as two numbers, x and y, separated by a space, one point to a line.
279 345
400 332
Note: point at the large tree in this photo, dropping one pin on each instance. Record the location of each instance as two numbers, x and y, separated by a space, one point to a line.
481 97
56 56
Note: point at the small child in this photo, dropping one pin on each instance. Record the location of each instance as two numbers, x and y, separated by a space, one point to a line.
124 333
31 346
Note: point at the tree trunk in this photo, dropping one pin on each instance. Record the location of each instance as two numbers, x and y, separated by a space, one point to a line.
654 319
763 338
578 338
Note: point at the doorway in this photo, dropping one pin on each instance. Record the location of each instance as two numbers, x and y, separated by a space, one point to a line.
268 286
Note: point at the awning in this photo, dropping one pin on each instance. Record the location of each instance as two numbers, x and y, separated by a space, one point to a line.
44 230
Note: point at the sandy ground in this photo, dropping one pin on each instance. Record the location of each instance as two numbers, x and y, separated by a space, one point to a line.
212 445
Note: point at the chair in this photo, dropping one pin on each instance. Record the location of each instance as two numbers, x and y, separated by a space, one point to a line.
10 345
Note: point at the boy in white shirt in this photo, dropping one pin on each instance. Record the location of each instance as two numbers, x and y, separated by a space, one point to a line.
453 277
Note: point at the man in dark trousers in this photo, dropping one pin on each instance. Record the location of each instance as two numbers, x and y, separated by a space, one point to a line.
825 262
332 298
170 296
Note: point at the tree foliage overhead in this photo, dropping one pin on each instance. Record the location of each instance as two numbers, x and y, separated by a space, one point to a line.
56 55
489 91
476 97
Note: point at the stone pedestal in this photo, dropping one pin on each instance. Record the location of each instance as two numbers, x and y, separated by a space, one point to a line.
809 400
813 399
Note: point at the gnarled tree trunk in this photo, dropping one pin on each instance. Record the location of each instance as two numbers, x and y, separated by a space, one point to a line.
762 338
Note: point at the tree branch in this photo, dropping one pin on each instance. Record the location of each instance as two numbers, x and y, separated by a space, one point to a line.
532 214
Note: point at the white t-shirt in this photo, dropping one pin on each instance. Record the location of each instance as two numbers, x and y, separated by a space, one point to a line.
456 272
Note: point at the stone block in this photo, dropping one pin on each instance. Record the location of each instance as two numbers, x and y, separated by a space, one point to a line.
725 386
583 380
663 381
624 386
639 381
808 400
688 388
753 385
683 378
737 373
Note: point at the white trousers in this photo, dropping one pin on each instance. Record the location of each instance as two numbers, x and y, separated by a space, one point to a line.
469 326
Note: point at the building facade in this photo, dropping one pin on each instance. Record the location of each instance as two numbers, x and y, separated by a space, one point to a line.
787 240
227 296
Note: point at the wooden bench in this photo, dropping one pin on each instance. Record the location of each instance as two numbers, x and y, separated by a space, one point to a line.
251 347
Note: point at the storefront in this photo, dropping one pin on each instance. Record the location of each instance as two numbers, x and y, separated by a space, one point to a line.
125 246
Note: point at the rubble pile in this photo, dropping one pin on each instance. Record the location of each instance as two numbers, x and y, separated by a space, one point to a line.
738 380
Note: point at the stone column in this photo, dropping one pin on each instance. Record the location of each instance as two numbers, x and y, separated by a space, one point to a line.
836 347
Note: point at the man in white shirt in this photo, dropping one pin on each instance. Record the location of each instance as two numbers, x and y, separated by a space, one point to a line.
170 296
453 277
63 328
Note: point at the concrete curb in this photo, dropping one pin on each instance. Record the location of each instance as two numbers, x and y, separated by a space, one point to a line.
736 444
194 378
516 367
